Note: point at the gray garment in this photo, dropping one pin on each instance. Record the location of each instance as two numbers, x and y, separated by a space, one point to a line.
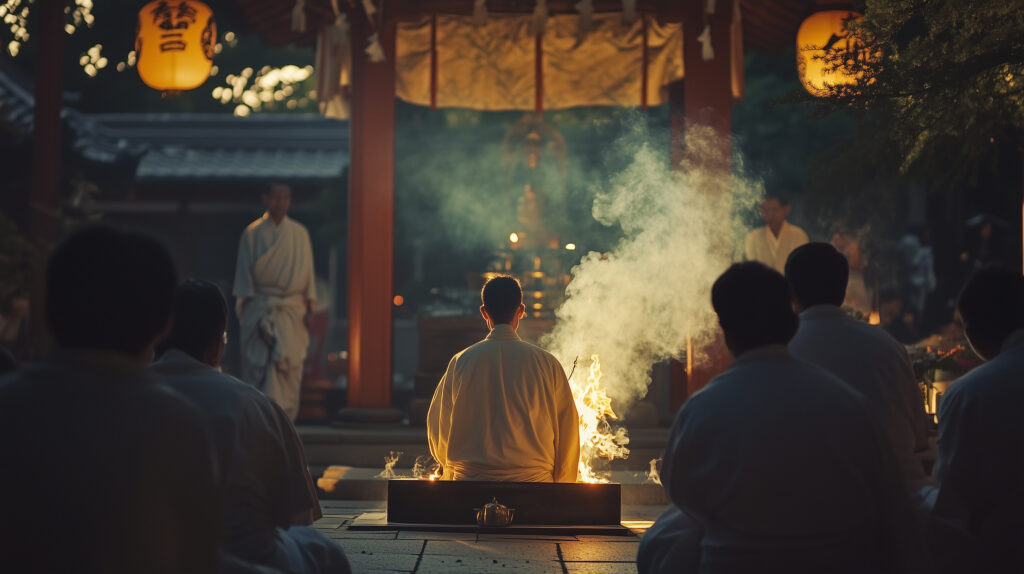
266 487
980 468
781 465
91 441
875 365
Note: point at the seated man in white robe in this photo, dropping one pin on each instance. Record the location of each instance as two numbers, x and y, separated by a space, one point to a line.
980 468
504 410
863 356
775 466
275 290
268 500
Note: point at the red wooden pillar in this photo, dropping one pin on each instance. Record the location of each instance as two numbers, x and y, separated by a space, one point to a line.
44 222
371 217
705 99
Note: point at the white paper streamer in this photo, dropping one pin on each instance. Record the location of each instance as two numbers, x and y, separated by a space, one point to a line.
479 12
540 18
369 8
299 16
374 50
707 51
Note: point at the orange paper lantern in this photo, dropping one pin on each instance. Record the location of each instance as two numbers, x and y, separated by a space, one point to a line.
174 44
818 32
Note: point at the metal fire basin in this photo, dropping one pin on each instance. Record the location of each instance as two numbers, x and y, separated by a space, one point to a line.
447 502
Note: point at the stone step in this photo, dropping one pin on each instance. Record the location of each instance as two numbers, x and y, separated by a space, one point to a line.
339 482
367 447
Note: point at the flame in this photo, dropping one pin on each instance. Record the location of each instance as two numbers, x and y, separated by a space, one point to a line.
389 465
653 475
426 468
597 438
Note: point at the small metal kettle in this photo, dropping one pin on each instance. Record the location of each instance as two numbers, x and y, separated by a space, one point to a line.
494 514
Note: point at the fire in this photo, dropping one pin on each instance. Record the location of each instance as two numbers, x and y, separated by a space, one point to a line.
597 438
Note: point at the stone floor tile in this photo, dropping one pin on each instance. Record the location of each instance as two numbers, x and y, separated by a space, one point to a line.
357 535
601 567
539 551
513 536
603 538
599 551
382 562
424 535
440 564
353 546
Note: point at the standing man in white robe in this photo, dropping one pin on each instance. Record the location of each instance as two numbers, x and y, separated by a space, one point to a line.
268 501
772 243
776 465
980 468
863 356
503 410
275 290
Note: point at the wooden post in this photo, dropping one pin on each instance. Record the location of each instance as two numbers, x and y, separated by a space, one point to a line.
44 202
705 100
371 217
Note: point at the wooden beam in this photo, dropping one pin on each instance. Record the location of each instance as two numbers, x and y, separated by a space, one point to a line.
371 218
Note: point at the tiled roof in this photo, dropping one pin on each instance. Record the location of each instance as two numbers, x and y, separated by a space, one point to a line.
190 147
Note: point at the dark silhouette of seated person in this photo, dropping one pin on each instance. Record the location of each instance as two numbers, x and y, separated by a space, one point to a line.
775 466
862 355
90 440
979 512
268 500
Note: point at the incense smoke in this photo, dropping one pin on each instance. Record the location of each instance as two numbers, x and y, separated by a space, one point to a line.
641 302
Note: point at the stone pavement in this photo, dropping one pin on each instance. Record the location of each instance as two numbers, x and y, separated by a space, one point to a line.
443 552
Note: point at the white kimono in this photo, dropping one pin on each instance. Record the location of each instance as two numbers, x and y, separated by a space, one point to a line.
267 498
980 468
504 411
776 466
762 245
877 366
274 282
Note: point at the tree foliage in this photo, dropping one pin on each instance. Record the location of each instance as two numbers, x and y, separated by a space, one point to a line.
946 77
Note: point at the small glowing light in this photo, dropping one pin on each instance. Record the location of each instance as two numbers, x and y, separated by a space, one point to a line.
242 110
570 247
538 294
874 318
398 300
538 306
513 237
229 36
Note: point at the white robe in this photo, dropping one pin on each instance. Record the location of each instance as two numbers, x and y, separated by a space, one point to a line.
877 366
980 468
776 466
504 411
274 282
267 497
762 245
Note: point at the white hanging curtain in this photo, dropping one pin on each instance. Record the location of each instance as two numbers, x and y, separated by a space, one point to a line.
492 67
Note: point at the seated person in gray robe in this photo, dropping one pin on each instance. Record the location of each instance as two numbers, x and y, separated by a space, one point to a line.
268 500
776 465
104 470
864 356
978 520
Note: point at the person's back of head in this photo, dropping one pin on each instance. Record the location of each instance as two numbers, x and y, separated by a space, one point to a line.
109 289
502 298
753 306
817 274
991 307
199 318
